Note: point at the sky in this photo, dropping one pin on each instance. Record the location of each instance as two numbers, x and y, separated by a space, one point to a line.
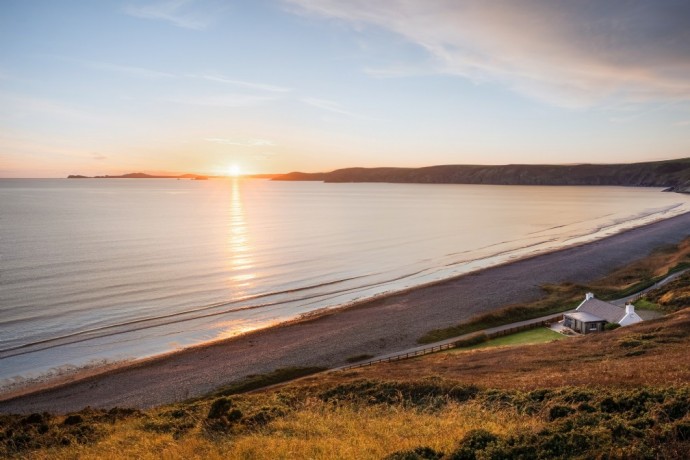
273 86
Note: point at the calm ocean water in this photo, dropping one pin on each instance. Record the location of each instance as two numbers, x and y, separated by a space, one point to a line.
105 270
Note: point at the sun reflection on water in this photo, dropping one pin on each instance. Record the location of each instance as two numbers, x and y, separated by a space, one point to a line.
239 247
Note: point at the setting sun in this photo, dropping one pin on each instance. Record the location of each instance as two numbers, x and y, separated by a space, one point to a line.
234 171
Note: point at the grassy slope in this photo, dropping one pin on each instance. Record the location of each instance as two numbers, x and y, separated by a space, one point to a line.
623 393
651 353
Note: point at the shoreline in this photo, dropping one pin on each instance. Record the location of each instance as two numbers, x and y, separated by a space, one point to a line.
76 374
284 346
73 373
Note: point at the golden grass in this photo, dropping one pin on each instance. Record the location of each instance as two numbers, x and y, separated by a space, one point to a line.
651 354
371 432
317 430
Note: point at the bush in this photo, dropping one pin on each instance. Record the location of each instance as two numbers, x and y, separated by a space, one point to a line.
420 453
263 417
557 412
682 431
473 441
674 409
219 408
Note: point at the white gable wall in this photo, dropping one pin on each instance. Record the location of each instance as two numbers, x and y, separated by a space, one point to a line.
630 316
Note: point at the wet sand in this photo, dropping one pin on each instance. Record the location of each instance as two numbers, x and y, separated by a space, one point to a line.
381 326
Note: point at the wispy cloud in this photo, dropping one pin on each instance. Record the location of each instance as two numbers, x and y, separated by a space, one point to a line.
574 54
123 69
17 105
241 142
142 72
331 106
188 14
228 100
98 156
139 72
398 71
243 84
631 111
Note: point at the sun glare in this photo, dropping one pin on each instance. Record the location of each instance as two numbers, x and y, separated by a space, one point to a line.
234 171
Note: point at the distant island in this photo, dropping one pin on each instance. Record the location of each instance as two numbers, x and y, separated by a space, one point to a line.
674 174
139 175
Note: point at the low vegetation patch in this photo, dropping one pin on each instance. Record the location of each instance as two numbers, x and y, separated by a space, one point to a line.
21 434
643 423
376 419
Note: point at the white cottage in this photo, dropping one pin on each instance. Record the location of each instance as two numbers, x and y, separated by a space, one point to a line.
593 314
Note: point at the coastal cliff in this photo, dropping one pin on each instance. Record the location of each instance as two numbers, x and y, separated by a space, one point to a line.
672 173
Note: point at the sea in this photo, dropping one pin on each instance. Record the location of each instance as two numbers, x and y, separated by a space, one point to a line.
97 272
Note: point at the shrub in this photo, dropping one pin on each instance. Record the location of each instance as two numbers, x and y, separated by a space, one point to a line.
73 420
219 408
473 441
557 412
675 409
263 417
420 453
682 431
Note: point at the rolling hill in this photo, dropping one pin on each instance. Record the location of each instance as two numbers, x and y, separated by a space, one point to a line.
672 173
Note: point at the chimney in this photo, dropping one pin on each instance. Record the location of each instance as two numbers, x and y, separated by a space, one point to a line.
589 295
629 308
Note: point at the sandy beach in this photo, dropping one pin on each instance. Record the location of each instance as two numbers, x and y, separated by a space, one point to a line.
380 326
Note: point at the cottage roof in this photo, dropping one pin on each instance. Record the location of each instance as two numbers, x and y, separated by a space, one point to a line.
604 310
584 317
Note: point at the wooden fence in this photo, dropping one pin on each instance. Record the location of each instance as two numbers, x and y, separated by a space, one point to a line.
448 346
